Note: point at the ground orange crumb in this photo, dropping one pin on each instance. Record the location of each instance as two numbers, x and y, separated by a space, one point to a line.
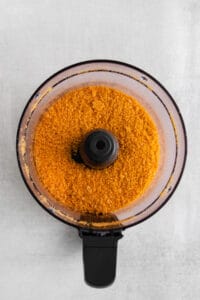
63 126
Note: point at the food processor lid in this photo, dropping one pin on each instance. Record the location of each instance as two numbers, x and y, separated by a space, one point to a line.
159 104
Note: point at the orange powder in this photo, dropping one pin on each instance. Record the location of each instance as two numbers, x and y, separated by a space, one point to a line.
63 126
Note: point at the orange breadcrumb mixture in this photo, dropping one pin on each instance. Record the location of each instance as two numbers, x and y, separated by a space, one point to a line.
63 126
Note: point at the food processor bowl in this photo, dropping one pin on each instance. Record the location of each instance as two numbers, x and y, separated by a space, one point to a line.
100 233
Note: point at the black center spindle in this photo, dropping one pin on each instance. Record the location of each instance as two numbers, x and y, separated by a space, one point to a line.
99 149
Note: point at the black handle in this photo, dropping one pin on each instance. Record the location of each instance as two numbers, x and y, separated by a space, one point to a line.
99 256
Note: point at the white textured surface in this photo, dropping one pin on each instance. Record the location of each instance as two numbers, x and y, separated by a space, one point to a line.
40 258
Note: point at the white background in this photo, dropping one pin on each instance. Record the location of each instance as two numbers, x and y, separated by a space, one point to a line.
40 257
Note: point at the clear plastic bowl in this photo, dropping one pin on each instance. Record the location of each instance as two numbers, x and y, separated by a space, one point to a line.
159 104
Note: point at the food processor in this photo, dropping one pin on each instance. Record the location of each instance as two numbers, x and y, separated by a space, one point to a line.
100 233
